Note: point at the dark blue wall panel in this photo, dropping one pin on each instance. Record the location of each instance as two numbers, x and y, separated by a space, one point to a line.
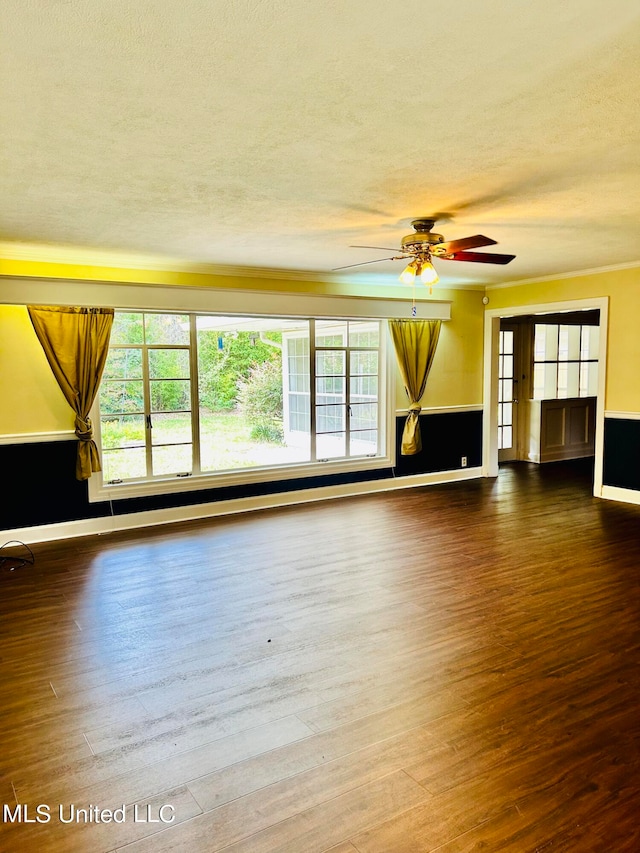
446 438
39 485
621 453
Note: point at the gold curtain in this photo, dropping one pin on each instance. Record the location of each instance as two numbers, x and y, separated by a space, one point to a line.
415 343
76 342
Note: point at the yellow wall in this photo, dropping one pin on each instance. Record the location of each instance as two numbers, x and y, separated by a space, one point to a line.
30 399
623 350
456 374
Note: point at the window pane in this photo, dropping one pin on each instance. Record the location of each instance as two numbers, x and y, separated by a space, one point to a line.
589 379
562 391
330 363
172 459
330 389
169 364
364 443
550 384
573 379
507 437
123 364
171 429
331 333
363 416
116 397
589 342
127 329
505 390
365 334
563 343
506 342
127 464
330 418
507 414
166 328
507 366
122 431
170 395
299 413
330 445
574 342
363 362
363 388
545 344
551 342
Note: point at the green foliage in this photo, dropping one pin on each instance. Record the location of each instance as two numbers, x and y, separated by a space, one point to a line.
220 371
260 401
271 433
125 431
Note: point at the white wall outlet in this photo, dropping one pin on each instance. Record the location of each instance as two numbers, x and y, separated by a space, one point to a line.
463 461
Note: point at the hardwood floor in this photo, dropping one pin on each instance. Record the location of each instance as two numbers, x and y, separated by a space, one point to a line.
448 669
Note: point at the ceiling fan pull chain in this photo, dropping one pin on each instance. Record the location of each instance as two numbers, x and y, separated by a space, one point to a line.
414 310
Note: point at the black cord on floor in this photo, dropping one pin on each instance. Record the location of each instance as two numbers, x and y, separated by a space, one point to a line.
18 562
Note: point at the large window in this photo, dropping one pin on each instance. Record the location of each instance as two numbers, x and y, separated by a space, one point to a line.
190 395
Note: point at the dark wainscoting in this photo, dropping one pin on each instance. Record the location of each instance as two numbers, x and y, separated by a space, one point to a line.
39 482
39 485
621 453
446 438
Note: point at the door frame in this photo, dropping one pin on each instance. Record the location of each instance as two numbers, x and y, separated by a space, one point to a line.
492 319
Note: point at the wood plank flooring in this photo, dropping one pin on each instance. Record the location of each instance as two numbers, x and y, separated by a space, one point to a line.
450 669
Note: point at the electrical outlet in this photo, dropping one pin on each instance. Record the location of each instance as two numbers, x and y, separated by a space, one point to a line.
463 461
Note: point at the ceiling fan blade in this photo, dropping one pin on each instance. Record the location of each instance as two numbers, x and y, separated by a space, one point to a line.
479 257
384 248
362 263
465 243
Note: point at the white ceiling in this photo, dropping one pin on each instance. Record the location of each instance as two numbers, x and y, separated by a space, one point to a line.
276 133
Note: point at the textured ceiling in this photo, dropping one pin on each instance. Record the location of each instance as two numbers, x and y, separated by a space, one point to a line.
276 133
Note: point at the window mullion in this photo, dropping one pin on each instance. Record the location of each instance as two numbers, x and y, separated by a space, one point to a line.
347 389
146 390
195 394
312 388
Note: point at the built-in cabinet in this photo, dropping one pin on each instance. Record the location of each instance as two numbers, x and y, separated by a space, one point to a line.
560 429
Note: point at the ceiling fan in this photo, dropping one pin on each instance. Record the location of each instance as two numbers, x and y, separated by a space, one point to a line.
424 244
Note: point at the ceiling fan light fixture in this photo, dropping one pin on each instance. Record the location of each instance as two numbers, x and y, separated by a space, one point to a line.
428 274
408 274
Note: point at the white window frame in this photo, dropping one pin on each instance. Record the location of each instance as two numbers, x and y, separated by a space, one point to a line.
198 481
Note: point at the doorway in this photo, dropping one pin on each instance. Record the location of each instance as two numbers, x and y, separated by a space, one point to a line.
503 418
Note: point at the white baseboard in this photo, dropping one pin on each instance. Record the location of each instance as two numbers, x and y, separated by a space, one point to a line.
110 524
615 493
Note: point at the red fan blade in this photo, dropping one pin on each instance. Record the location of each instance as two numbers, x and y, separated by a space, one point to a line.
478 257
466 243
362 263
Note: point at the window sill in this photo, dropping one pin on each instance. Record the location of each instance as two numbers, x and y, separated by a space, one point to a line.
202 482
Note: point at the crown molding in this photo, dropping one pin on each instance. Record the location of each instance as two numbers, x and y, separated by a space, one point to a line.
564 275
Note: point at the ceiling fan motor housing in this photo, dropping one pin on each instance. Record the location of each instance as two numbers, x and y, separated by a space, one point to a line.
424 238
